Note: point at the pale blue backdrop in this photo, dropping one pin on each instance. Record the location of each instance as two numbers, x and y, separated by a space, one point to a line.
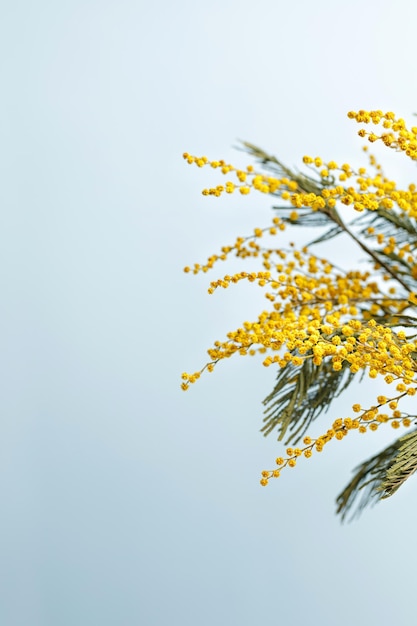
125 501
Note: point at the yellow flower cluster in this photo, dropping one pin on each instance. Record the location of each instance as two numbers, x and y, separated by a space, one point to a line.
370 419
368 192
316 311
310 319
395 135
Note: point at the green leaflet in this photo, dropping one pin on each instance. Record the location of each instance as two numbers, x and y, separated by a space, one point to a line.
403 465
391 224
300 394
365 487
380 476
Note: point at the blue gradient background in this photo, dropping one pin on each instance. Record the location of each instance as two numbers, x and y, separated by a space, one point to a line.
125 501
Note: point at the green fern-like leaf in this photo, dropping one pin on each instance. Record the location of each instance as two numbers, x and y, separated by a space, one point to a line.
365 487
300 394
390 223
380 476
403 466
